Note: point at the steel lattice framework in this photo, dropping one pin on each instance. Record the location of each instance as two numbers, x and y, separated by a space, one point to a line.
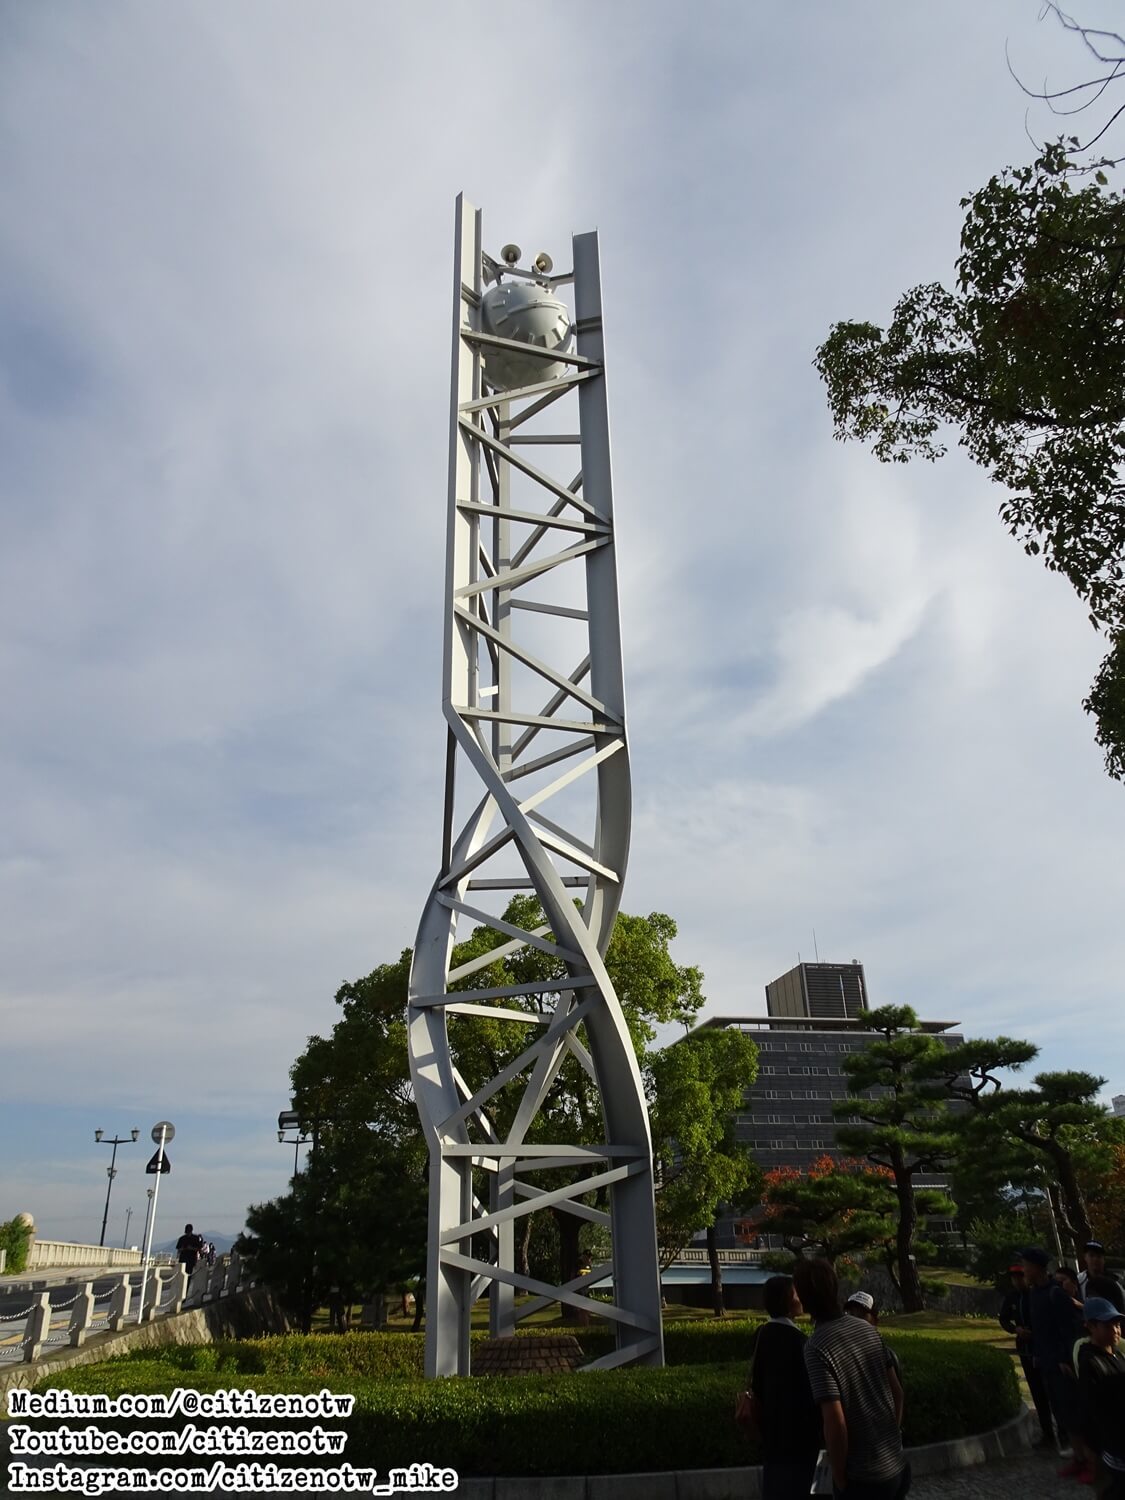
534 702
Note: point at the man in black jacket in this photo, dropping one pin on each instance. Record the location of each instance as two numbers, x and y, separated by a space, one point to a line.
1015 1318
785 1413
1055 1327
1097 1280
188 1247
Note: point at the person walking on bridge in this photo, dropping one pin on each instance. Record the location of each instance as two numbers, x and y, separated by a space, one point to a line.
188 1248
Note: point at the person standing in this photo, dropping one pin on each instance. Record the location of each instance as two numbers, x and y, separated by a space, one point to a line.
781 1399
1015 1318
862 1305
858 1392
1055 1327
1096 1280
1101 1388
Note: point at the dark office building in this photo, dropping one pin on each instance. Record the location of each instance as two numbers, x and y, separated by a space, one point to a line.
815 1019
787 1120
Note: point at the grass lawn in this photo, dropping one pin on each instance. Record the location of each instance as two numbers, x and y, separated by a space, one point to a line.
950 1326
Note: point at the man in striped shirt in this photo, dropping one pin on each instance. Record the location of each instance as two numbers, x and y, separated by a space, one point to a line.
858 1392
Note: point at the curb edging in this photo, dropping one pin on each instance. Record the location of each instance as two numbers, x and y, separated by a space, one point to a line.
1011 1438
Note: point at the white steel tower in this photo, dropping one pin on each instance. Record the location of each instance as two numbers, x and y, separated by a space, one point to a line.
534 701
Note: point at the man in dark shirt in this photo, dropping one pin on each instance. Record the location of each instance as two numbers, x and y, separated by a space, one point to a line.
1015 1318
188 1247
784 1410
1096 1280
1101 1383
1053 1334
859 1394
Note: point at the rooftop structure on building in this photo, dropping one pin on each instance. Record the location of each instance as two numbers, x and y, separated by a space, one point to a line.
827 990
1119 1106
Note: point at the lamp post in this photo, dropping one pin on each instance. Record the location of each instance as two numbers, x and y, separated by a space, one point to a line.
162 1132
111 1170
289 1119
125 1238
148 1215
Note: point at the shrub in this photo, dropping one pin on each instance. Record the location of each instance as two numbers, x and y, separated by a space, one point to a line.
15 1238
320 1357
953 1388
609 1422
779 1260
388 1356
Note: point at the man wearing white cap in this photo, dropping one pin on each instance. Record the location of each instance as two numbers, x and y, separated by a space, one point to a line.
862 1305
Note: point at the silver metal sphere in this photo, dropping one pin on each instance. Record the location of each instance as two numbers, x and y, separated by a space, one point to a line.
530 314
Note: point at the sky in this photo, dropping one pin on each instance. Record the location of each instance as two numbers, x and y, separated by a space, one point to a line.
225 245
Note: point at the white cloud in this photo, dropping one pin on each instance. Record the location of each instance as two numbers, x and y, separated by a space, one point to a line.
225 243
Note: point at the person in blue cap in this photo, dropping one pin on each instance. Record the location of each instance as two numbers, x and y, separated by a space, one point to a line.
1101 1386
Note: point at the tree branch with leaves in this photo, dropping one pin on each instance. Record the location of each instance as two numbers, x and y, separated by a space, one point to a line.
1025 360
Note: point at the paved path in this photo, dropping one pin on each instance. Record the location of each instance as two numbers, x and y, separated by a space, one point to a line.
1033 1476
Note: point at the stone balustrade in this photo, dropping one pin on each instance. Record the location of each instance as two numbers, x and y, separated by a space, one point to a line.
45 1254
50 1323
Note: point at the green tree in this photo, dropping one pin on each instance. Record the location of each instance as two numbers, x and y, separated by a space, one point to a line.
355 1217
897 1116
837 1207
357 1214
15 1239
1056 1119
1102 1175
993 1176
1025 357
697 1087
995 1240
652 989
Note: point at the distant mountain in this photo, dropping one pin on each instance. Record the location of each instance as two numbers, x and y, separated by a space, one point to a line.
222 1242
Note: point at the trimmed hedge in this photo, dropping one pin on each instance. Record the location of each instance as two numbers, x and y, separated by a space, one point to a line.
382 1356
323 1357
602 1423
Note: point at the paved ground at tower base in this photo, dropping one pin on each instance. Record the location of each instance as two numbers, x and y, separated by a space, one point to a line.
1032 1476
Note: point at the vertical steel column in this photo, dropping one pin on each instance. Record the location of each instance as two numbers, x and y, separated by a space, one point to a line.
522 755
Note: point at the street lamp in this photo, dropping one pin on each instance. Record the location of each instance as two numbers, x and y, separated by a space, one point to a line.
128 1216
111 1170
148 1215
289 1119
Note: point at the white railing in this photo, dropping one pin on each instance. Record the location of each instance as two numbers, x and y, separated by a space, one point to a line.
38 1324
46 1253
726 1257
